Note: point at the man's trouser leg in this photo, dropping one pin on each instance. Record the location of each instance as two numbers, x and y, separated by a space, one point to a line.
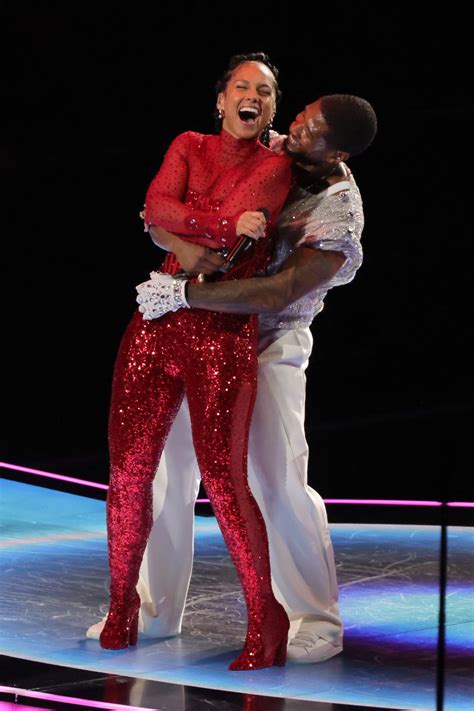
167 563
301 553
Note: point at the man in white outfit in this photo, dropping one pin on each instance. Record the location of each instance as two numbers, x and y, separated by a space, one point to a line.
317 248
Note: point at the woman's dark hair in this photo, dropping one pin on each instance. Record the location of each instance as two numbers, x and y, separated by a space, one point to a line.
351 121
234 62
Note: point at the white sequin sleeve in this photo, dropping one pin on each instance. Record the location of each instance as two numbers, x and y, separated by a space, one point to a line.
331 220
337 226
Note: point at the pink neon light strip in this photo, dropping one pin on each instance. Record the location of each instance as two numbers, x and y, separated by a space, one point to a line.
50 475
69 699
10 706
374 502
383 502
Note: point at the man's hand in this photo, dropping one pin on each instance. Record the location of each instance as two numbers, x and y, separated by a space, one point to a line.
160 294
277 141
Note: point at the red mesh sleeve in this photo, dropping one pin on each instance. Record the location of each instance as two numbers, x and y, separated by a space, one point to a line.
164 202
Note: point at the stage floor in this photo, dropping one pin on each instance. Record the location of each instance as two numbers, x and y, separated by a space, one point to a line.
53 585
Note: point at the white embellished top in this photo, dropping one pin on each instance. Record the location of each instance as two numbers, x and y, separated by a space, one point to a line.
331 220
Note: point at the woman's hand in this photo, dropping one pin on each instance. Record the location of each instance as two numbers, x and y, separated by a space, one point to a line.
197 259
251 224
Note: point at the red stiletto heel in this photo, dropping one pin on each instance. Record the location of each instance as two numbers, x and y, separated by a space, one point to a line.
121 627
133 634
266 642
280 654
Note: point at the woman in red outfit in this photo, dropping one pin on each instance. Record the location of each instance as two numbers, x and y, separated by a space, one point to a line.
208 190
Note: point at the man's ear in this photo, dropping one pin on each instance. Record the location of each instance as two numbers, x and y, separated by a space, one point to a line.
340 155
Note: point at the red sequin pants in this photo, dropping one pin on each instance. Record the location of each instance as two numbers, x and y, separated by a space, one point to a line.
211 356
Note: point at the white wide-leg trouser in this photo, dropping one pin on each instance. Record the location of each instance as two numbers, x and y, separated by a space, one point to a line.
301 553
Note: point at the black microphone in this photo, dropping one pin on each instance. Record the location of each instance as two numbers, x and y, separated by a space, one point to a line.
240 245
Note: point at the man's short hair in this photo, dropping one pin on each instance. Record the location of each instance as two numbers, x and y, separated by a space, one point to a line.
351 120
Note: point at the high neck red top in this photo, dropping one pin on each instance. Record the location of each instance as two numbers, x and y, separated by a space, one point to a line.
206 182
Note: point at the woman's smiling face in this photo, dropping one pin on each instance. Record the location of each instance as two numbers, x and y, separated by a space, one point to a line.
249 100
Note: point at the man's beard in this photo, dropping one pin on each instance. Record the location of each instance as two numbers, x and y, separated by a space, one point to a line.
298 156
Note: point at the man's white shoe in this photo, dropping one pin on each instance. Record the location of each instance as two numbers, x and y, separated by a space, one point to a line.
308 648
149 625
94 630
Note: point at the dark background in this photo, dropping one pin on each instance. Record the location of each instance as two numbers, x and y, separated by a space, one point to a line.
92 97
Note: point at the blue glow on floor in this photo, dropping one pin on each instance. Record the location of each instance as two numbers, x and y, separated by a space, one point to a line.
53 578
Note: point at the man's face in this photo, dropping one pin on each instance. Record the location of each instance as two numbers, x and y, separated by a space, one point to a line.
306 141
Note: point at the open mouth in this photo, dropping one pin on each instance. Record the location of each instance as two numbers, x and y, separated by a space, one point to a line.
249 115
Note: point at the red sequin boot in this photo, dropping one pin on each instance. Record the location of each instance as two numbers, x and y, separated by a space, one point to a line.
267 637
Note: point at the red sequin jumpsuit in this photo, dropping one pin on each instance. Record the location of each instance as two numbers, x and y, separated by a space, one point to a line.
203 186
